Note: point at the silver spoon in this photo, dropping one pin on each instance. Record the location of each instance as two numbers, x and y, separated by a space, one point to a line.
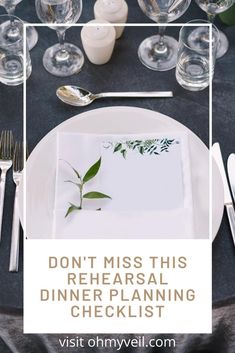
80 97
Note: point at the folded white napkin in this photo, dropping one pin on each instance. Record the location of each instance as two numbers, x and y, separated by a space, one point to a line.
147 179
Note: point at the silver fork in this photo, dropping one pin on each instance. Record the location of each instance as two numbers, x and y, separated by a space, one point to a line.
6 152
18 165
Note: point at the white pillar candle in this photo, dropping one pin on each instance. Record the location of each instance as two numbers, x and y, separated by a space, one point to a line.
98 41
113 11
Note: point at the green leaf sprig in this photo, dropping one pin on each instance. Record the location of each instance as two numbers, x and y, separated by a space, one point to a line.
81 181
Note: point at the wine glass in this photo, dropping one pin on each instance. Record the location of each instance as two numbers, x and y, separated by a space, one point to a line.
159 52
63 59
32 35
212 8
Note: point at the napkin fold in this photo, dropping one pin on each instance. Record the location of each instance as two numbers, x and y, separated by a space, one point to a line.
141 189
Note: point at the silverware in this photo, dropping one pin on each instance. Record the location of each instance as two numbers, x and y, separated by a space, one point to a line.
227 195
6 152
80 97
231 173
18 164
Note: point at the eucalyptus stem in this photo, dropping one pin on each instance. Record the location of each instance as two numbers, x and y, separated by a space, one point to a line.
81 196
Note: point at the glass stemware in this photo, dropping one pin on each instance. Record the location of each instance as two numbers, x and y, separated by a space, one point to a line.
32 35
63 59
159 52
212 8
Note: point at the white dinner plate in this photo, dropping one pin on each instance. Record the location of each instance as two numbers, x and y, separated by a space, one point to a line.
41 165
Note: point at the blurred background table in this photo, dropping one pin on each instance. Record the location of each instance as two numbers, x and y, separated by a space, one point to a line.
123 72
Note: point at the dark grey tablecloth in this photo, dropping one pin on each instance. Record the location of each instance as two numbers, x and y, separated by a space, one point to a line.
123 72
222 339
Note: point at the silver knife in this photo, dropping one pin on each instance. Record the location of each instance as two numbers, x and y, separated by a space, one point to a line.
216 152
231 173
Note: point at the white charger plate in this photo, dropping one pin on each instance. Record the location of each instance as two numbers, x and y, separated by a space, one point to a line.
41 166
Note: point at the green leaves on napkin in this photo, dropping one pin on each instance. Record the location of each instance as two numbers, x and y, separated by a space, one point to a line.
90 174
149 146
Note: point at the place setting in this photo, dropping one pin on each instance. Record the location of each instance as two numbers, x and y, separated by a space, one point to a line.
69 207
116 152
163 182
